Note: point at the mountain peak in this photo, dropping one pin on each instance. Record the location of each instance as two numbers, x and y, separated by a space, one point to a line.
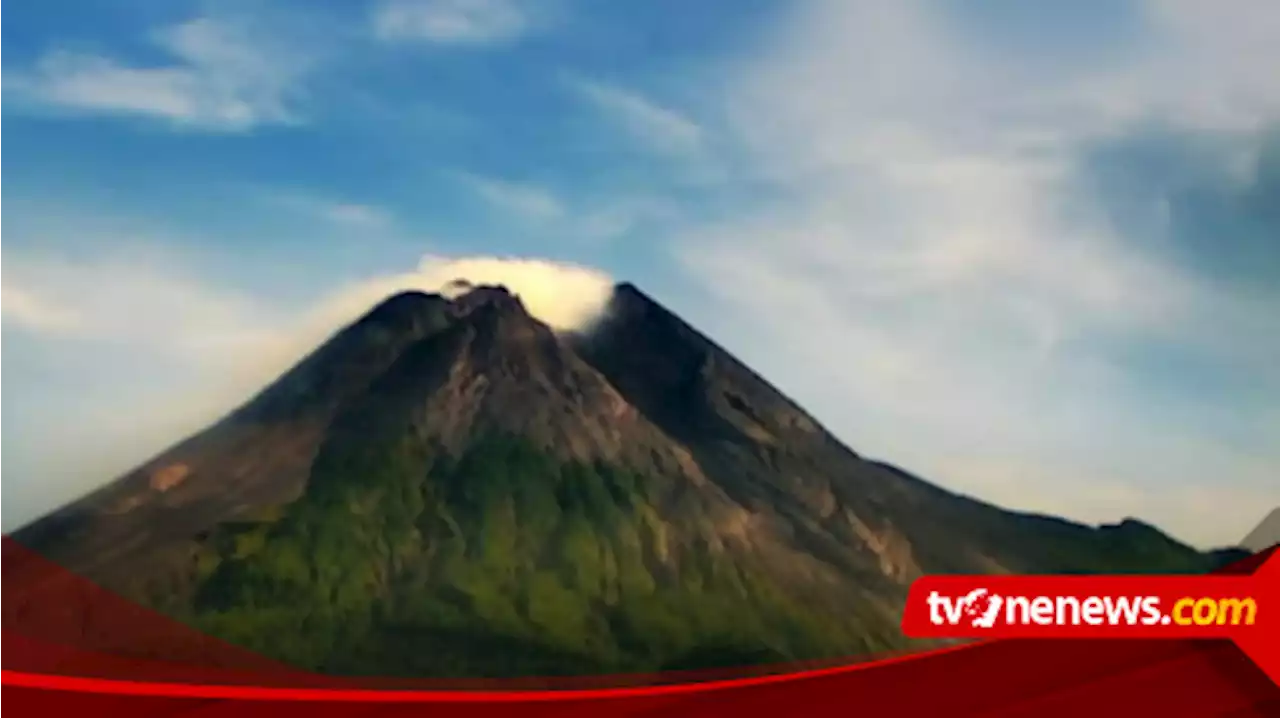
476 297
1134 527
401 308
628 298
411 310
627 288
1266 534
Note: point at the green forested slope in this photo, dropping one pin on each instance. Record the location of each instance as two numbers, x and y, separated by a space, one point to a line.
504 561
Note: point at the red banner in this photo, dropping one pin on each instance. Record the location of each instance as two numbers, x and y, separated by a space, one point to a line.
1244 609
71 647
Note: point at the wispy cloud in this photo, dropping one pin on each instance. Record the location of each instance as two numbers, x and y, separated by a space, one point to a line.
357 214
452 22
603 219
662 128
222 77
526 200
340 212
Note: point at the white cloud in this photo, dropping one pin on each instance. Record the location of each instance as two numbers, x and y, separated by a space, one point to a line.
452 22
132 300
31 311
662 128
929 258
222 77
564 296
526 200
1206 67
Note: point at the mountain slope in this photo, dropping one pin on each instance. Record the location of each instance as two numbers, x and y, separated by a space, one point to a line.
1266 534
448 487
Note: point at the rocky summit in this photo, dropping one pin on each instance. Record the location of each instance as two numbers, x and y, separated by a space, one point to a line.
447 487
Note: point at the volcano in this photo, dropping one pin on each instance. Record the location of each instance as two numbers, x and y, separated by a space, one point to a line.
448 487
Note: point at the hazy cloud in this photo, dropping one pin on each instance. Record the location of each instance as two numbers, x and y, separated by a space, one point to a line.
452 22
933 254
223 76
29 310
130 300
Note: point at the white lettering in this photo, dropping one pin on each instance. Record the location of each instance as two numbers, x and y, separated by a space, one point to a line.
1042 610
1093 610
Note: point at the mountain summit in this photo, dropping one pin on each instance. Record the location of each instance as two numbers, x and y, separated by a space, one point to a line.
449 487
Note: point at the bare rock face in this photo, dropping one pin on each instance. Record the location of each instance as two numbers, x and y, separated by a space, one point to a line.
450 461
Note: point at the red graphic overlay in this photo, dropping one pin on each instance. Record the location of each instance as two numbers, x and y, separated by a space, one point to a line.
1244 609
73 647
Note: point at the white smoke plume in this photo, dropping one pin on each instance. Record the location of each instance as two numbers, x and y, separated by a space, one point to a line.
566 297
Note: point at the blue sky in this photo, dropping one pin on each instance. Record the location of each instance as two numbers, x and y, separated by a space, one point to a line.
1031 253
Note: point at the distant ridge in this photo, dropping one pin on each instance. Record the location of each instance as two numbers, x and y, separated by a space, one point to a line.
1266 535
